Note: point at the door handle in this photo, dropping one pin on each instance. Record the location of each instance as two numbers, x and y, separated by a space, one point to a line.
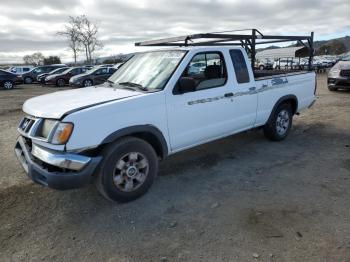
228 95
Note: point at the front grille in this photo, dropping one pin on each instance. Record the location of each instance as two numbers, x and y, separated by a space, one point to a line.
37 128
26 124
345 73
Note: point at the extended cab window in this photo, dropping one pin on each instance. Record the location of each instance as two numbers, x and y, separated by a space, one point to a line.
240 66
207 69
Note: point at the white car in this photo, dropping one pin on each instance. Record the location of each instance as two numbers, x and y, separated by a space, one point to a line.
152 107
20 69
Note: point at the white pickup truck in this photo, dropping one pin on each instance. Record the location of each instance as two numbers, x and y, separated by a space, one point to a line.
153 106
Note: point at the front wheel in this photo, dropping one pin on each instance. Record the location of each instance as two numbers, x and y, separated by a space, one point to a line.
60 82
28 80
87 83
280 123
128 169
8 85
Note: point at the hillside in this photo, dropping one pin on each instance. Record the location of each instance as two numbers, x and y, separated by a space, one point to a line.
334 46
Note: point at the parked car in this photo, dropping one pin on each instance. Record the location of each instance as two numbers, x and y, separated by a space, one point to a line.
20 69
264 64
339 75
32 75
286 63
8 80
41 78
152 107
95 76
63 78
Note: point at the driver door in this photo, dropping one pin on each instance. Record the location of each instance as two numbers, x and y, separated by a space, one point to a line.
204 114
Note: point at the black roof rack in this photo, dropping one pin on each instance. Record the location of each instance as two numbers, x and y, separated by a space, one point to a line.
247 41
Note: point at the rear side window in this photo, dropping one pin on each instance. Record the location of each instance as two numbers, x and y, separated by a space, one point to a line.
240 66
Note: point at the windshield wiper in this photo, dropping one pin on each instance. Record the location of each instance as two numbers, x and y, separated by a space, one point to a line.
110 83
131 84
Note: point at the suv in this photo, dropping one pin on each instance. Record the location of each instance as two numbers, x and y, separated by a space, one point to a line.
63 78
95 76
339 75
32 75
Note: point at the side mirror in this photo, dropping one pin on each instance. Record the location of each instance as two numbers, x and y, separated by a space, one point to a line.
186 84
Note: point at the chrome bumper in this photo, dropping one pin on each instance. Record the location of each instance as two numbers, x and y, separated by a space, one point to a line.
62 160
67 178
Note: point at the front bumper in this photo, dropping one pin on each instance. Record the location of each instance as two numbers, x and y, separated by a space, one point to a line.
55 169
341 82
50 82
76 83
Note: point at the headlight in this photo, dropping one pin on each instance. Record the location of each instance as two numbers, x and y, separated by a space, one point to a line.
334 72
62 133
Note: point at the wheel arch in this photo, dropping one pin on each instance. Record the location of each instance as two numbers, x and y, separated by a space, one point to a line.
291 99
149 133
61 78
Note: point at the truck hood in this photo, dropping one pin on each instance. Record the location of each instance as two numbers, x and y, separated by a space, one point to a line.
58 104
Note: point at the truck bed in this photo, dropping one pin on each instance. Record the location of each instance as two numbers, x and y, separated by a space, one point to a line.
264 74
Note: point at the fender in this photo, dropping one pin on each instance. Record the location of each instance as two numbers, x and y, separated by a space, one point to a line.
161 143
281 100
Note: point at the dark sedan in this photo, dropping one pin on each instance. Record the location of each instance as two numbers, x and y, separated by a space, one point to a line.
8 80
95 76
41 78
63 78
339 75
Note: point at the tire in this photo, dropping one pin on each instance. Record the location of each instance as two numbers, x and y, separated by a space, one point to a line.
87 83
128 169
28 80
60 82
261 67
280 123
332 88
8 85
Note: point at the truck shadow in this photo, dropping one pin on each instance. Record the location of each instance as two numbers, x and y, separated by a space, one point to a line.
195 178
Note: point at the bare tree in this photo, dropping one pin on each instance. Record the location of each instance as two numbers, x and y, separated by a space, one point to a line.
82 34
34 59
88 36
71 32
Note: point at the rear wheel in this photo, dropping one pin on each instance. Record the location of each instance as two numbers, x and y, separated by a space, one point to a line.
60 82
28 80
280 123
128 169
8 85
87 83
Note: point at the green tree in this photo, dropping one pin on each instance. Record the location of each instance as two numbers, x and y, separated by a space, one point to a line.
52 60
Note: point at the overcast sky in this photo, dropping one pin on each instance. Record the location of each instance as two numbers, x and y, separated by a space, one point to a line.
27 26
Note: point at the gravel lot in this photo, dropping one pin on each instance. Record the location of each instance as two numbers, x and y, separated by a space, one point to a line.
242 198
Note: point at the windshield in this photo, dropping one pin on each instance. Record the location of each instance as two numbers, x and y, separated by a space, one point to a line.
149 70
58 70
65 71
346 58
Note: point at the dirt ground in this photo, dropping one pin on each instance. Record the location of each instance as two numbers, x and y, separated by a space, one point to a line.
242 198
